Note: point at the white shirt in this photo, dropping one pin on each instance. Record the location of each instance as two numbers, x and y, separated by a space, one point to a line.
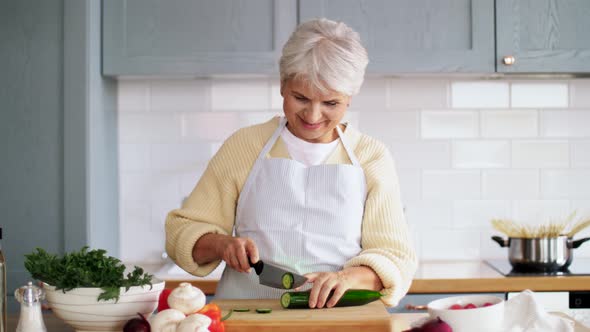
309 154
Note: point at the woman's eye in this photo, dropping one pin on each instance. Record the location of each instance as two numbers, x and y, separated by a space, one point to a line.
331 103
300 98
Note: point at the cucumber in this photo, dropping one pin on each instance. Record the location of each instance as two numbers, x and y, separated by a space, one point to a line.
288 280
241 309
352 297
264 310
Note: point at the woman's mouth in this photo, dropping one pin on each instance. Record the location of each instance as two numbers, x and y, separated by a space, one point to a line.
311 126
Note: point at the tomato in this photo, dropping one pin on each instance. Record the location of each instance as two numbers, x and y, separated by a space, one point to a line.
163 300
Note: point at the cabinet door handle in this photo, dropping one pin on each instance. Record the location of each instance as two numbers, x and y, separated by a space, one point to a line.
416 307
509 60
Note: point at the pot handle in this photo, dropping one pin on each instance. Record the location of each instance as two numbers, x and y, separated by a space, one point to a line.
579 242
501 241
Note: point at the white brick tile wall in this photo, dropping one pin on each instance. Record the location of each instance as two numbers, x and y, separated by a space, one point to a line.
565 183
580 93
580 153
180 95
582 207
536 212
452 184
510 184
540 154
477 214
481 154
509 123
477 94
388 126
239 95
449 124
419 93
465 150
417 154
565 123
539 95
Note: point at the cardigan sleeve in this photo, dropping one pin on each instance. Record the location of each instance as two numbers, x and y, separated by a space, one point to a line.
385 240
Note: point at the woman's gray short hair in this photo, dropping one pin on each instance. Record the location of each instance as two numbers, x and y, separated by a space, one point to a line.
327 54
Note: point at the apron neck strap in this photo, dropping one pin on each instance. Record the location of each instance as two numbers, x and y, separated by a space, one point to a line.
283 123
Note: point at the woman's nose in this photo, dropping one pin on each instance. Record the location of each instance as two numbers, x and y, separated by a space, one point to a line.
314 113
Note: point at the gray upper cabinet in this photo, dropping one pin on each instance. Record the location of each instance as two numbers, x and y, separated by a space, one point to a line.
543 35
187 37
418 36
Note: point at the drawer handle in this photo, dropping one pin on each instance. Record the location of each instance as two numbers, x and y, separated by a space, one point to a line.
509 60
416 307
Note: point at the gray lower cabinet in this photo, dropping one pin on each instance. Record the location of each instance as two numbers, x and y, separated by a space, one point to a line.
418 36
543 36
187 37
424 299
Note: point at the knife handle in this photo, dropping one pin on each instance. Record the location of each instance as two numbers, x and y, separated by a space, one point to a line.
258 266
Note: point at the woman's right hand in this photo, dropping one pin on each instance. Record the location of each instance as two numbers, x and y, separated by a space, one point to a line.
238 252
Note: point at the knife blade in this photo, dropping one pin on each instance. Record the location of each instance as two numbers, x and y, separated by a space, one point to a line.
272 275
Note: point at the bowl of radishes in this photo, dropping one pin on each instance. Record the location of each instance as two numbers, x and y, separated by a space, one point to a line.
468 313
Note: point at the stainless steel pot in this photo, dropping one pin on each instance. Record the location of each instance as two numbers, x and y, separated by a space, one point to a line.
540 254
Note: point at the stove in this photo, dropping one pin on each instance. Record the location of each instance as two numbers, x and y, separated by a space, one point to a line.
578 267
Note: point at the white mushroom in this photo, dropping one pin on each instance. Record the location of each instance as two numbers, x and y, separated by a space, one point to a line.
192 323
166 320
186 298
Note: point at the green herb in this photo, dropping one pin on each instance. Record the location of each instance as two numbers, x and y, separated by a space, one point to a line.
85 269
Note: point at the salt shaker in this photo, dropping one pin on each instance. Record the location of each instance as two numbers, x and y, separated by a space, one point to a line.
31 317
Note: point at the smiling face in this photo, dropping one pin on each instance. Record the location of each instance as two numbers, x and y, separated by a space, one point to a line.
312 116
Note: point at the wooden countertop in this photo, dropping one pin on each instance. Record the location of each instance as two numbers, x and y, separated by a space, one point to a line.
449 277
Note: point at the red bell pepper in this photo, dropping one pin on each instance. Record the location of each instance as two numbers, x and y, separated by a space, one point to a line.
213 311
163 300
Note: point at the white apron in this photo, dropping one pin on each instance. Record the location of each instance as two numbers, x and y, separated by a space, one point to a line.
304 219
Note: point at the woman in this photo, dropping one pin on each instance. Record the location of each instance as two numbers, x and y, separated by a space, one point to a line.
303 191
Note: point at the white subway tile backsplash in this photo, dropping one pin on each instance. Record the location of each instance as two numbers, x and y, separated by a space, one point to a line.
428 214
209 126
481 154
149 128
419 154
580 153
510 184
387 126
540 154
444 135
580 93
582 208
409 182
450 244
478 94
478 214
536 212
180 95
449 124
372 97
509 123
240 95
574 184
133 96
179 157
134 157
539 95
565 124
419 93
451 184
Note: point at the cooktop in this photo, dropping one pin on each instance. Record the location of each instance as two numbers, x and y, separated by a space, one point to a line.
578 267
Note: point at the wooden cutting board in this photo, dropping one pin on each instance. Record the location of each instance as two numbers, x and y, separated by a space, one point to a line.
368 317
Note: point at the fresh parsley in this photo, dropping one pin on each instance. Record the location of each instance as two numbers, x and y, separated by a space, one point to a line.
85 268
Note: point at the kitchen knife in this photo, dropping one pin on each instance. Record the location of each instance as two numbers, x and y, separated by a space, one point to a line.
272 275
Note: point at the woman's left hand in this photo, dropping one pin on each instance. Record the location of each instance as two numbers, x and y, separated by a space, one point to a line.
325 282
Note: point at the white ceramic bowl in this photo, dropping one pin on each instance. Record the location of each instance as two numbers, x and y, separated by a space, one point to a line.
80 309
482 319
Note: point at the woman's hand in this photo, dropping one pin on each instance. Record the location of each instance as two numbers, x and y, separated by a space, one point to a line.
238 252
360 277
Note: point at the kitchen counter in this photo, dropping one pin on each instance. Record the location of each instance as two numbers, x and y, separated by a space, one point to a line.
431 277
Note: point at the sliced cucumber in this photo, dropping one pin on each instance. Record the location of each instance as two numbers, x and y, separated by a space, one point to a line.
241 309
288 280
352 297
285 300
263 310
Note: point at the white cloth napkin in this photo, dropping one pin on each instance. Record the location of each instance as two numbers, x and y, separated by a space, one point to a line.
523 314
